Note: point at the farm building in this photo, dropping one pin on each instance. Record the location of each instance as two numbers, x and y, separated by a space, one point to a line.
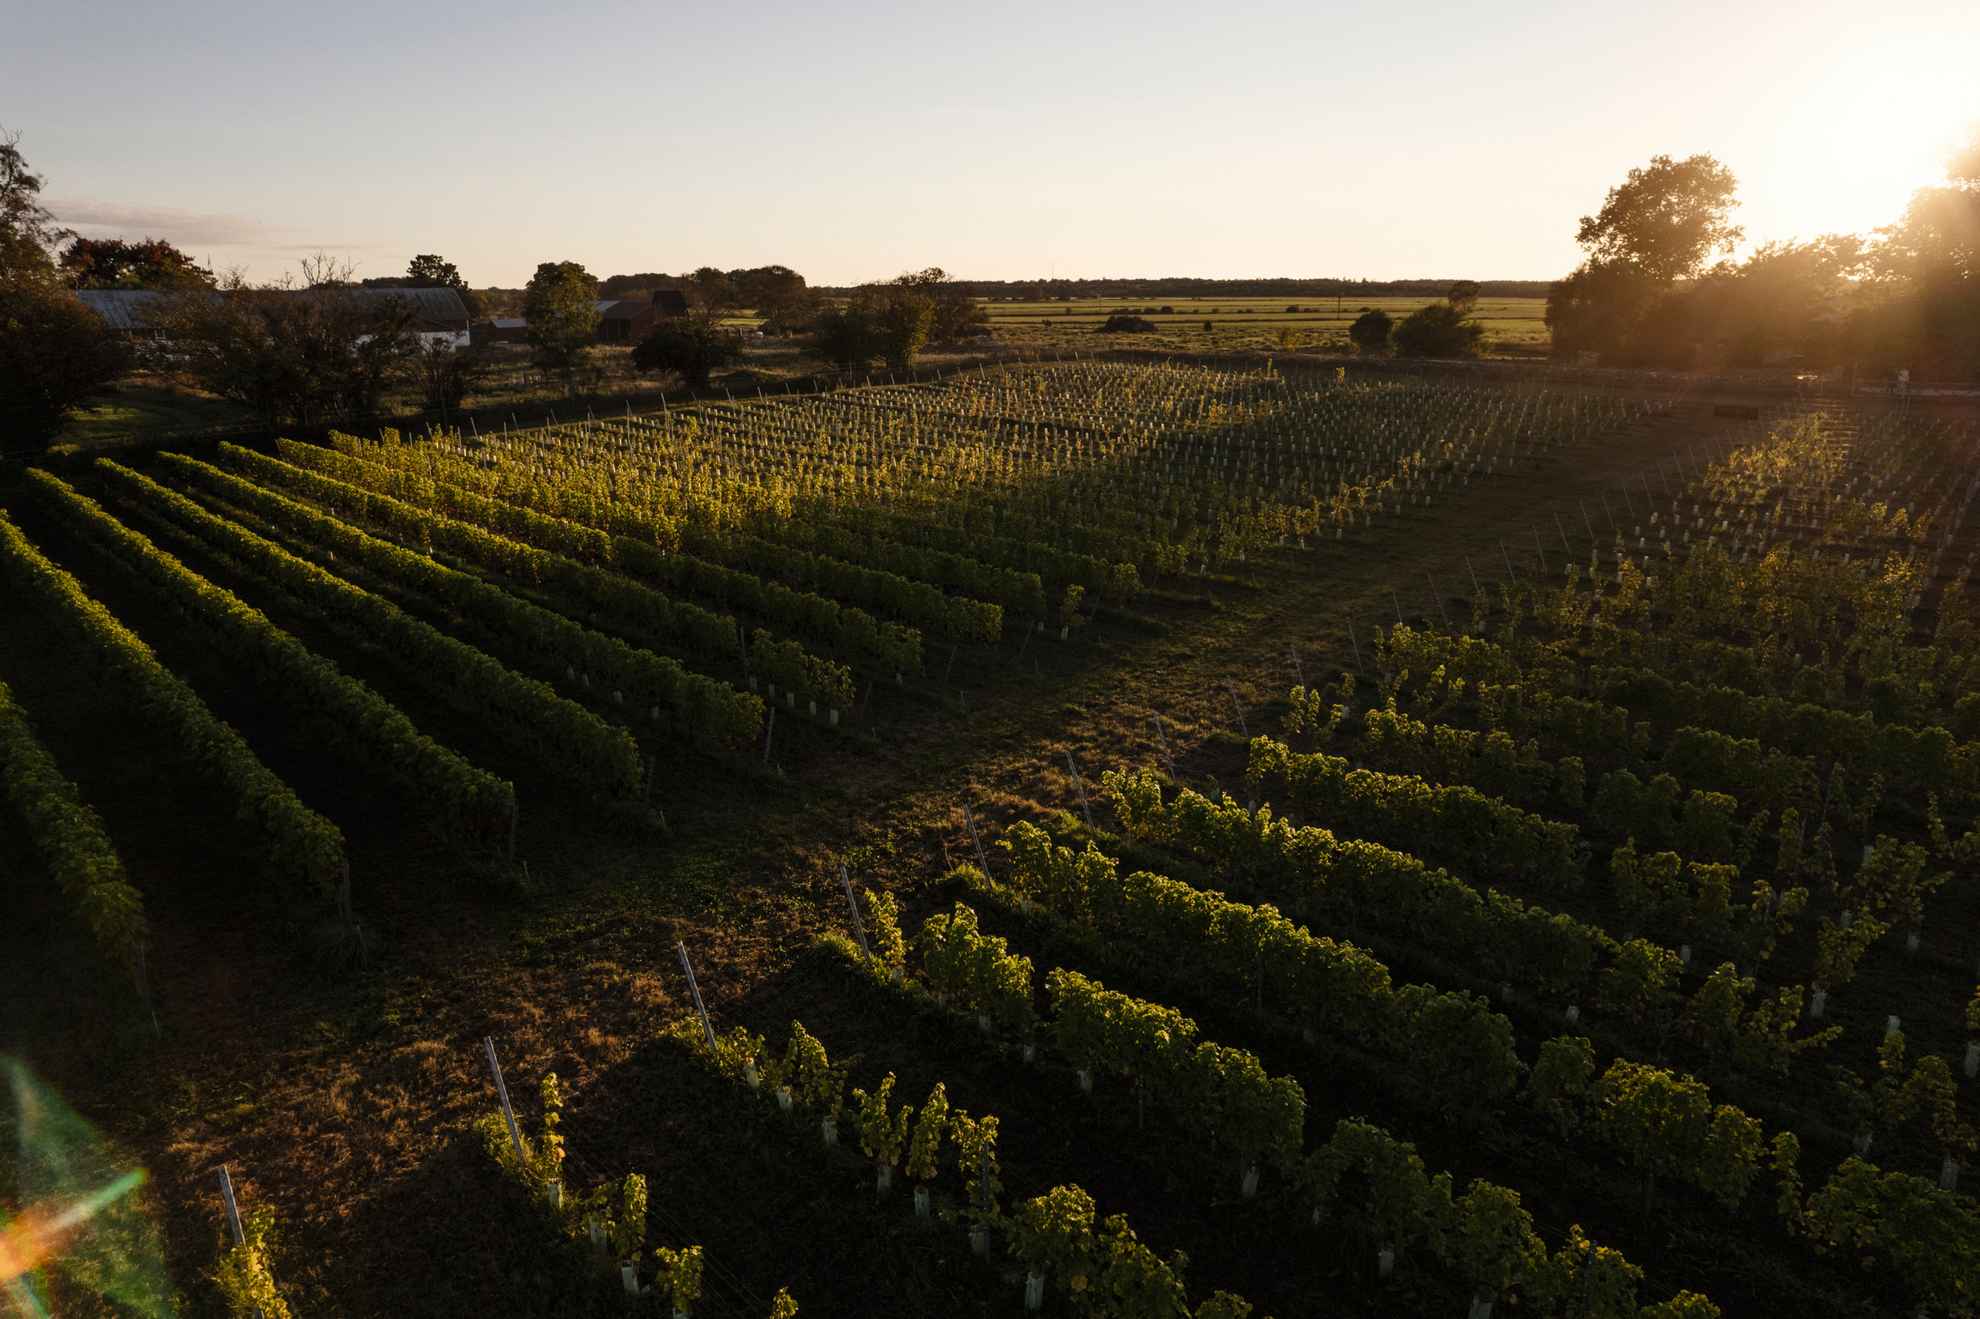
128 312
628 320
501 329
438 315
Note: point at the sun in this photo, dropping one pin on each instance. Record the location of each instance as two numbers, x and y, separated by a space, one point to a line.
1868 125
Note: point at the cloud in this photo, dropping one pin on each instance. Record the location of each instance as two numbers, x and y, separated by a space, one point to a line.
185 228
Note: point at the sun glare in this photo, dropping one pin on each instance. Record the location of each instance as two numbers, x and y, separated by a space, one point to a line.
1870 128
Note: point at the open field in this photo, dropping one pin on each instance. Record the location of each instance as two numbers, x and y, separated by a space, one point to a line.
1513 326
1595 733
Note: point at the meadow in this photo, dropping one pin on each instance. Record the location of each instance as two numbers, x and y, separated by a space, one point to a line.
1514 327
1146 840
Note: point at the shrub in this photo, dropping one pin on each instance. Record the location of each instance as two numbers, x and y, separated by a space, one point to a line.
1371 331
1438 330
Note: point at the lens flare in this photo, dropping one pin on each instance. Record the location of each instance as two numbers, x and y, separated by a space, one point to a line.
71 1223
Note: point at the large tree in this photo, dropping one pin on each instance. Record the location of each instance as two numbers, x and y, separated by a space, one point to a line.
1665 219
561 303
777 294
28 232
54 353
692 345
1926 271
957 315
1655 228
116 263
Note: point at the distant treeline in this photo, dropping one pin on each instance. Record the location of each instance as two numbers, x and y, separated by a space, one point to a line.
1033 290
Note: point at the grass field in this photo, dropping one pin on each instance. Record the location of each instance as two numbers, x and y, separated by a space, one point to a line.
1513 326
1063 570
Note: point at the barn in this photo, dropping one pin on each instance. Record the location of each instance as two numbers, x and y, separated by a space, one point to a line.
628 320
438 315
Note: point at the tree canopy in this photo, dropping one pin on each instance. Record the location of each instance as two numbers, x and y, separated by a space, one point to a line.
561 303
1664 219
28 232
116 263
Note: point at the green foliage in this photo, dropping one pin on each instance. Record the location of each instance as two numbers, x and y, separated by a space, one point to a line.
1368 1183
300 845
974 971
925 1150
883 928
693 346
1563 1079
782 1306
1589 1280
975 1141
54 354
1667 1126
116 263
680 1270
1665 219
323 355
1052 1234
70 838
1438 330
1491 1243
1371 332
846 337
561 304
469 805
243 1277
1928 1237
815 1081
882 1134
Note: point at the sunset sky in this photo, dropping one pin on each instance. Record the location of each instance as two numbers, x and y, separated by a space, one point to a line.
999 141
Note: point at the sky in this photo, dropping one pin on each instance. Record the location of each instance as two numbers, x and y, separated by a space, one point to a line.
1009 140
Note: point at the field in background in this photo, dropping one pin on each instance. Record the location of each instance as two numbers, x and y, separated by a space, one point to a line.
1513 326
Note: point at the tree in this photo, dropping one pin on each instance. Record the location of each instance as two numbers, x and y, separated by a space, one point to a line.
777 294
847 337
113 263
310 357
957 315
1463 296
562 306
1371 331
428 271
54 353
693 345
1440 329
1657 227
904 322
710 290
446 375
1926 273
28 232
1665 219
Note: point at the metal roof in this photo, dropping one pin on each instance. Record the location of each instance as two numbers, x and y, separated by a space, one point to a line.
432 309
123 309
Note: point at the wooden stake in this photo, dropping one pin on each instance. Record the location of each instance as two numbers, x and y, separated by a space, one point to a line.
1079 784
502 1093
1236 706
975 839
852 905
687 969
